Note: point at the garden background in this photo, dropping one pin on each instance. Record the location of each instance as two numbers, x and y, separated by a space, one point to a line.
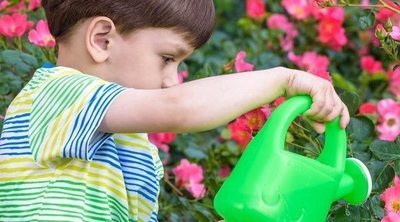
353 44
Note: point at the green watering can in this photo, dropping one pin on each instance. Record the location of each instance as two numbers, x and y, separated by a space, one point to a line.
271 184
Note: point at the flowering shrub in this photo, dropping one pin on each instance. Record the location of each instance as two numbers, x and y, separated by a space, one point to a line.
357 50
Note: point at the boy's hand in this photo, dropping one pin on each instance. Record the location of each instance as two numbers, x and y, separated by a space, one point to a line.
326 104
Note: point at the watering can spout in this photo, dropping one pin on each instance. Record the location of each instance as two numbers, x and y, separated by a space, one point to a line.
270 183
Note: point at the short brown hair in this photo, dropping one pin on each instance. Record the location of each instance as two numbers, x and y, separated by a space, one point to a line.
192 18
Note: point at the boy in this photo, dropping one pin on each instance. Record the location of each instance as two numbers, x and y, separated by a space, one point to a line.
74 144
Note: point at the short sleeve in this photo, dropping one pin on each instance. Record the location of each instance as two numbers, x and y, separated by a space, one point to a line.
65 115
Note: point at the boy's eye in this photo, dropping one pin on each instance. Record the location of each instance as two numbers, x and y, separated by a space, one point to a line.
168 60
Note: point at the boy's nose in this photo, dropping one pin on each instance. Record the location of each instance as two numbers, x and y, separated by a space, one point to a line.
169 81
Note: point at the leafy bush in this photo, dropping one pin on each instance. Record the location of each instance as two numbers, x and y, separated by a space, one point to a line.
336 43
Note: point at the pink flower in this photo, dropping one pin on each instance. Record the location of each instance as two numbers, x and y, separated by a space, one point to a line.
4 4
394 82
332 13
391 197
240 64
161 140
395 33
388 119
367 108
280 22
189 175
41 36
383 14
198 190
370 65
182 76
34 4
255 8
17 8
297 8
14 25
313 63
391 217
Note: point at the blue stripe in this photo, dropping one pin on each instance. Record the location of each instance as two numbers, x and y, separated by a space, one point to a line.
130 177
111 91
84 126
15 143
16 137
6 128
16 154
17 117
16 148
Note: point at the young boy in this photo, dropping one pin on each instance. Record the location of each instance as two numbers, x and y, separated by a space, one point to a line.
74 145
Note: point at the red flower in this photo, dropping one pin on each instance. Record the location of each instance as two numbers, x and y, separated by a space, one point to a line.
255 9
367 108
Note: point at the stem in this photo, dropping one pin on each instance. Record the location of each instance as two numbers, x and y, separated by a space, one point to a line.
359 5
173 187
18 42
297 145
390 7
298 125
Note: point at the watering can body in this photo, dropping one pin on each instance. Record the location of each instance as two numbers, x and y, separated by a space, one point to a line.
271 184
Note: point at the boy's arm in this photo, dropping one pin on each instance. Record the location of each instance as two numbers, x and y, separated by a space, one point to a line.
202 104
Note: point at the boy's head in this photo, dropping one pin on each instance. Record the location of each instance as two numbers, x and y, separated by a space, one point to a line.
132 42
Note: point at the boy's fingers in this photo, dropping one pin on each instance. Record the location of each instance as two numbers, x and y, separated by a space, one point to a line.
337 109
318 127
327 108
318 104
345 120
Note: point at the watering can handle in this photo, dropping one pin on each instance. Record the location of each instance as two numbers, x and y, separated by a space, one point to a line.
334 150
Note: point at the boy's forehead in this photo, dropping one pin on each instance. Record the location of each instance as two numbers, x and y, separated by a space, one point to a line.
166 38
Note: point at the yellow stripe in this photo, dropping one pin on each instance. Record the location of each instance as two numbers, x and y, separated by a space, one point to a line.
131 144
95 176
135 202
57 132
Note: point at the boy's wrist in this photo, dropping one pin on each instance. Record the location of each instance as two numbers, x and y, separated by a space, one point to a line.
287 78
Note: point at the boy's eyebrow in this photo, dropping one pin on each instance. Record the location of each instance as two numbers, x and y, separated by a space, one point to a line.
180 50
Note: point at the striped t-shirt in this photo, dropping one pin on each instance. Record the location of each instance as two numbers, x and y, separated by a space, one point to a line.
56 166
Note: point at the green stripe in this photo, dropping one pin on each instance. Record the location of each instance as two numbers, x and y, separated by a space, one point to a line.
57 91
92 194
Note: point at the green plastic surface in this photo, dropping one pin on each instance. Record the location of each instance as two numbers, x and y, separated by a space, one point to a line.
271 184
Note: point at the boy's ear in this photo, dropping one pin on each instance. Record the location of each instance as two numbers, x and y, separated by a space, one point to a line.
99 38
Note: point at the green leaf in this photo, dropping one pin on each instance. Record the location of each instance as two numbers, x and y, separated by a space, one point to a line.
29 59
366 22
341 82
385 150
195 153
361 128
376 208
382 174
397 167
352 101
11 57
